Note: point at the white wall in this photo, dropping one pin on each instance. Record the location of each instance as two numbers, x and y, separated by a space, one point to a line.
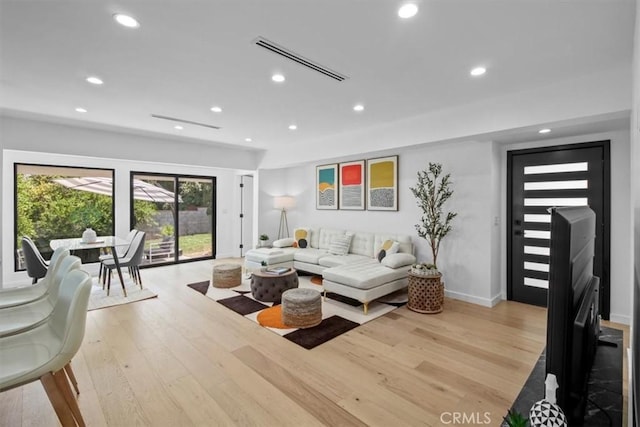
621 223
473 256
465 255
30 141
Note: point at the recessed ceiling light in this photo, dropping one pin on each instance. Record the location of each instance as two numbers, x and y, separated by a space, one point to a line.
81 110
126 20
216 109
478 71
407 10
279 78
358 107
293 127
94 80
178 127
248 139
544 130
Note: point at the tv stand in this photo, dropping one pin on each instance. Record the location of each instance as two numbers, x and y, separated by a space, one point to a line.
603 343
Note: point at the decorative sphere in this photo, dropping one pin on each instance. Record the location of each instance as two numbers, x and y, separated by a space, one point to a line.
546 414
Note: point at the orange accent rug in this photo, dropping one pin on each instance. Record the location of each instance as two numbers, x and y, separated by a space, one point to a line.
272 317
316 280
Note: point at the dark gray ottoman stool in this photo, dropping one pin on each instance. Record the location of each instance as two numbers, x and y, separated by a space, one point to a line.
301 308
269 287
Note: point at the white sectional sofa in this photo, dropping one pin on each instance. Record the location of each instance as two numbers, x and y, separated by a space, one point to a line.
357 274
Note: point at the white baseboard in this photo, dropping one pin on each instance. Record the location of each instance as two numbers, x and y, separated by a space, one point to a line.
485 302
229 255
619 318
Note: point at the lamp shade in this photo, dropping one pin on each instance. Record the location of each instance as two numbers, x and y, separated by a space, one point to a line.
284 202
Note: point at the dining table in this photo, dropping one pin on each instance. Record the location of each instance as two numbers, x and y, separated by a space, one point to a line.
111 242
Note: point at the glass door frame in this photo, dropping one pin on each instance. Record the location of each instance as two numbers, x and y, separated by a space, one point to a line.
176 179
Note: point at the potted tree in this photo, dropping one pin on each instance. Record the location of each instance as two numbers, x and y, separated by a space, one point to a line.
431 192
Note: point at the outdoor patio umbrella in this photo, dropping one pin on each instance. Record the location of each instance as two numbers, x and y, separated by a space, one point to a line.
101 185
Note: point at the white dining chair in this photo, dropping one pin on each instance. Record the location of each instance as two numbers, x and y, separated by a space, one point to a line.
19 318
26 294
42 353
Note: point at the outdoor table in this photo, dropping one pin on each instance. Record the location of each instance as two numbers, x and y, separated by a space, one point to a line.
76 244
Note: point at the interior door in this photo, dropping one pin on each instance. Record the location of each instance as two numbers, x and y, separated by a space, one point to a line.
572 175
246 214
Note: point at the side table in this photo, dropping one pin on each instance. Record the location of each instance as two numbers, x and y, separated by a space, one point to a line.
426 293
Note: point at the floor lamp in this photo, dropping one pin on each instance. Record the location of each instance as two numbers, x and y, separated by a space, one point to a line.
283 203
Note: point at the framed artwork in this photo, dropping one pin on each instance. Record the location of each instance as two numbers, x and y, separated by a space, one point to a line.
327 186
382 184
351 190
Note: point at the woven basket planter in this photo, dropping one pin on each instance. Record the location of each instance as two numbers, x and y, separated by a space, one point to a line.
426 293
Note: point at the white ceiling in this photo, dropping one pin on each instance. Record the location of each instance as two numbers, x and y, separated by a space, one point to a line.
190 55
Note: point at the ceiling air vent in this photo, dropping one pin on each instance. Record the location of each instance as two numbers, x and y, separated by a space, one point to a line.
174 119
282 51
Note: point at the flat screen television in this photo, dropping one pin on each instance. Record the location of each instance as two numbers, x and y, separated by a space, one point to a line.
573 321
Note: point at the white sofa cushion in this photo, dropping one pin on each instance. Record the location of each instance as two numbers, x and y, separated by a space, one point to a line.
336 260
362 244
271 256
364 274
284 243
326 235
340 245
311 255
398 260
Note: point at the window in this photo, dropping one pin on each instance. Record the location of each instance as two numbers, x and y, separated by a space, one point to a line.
57 202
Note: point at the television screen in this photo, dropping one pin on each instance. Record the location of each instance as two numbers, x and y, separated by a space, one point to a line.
572 312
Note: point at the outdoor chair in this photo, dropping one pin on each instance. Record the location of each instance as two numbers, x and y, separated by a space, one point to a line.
132 260
43 353
36 265
26 294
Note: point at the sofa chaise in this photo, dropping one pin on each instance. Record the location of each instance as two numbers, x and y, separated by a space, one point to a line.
359 265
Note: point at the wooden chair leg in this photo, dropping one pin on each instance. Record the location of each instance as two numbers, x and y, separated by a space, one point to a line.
72 377
139 276
57 400
63 385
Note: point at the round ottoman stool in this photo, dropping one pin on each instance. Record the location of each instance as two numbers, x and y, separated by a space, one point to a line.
226 275
301 308
268 287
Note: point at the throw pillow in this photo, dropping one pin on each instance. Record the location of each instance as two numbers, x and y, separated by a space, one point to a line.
398 260
284 243
340 245
388 247
302 237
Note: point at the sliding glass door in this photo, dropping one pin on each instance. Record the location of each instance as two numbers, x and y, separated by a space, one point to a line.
177 212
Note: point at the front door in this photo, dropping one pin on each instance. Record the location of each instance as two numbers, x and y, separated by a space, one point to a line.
573 175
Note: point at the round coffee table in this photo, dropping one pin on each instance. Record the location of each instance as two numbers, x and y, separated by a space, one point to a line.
268 287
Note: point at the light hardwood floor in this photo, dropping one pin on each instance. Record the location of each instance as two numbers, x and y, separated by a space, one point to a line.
182 359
